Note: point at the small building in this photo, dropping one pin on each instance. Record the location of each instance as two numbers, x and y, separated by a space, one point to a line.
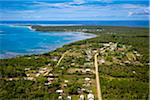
90 96
133 72
38 74
87 70
102 61
127 62
66 81
30 78
83 89
68 97
60 98
87 79
49 64
50 74
10 79
55 59
50 79
106 44
27 75
59 91
47 83
82 97
26 69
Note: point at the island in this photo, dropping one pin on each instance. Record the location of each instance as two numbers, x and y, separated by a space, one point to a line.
114 65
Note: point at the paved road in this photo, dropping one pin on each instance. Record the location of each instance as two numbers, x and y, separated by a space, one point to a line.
97 78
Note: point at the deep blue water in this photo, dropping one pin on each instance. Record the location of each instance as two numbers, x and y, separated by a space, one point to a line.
20 40
131 23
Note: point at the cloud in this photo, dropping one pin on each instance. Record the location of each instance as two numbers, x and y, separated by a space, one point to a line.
60 5
130 6
106 1
140 11
74 10
78 2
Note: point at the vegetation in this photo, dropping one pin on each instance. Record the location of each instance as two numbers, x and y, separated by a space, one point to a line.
123 76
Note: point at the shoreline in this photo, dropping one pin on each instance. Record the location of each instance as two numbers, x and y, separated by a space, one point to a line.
30 54
35 28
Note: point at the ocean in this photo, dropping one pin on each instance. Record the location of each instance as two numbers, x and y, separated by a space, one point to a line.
141 23
20 40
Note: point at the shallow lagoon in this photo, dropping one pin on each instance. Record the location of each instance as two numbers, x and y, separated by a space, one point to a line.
20 40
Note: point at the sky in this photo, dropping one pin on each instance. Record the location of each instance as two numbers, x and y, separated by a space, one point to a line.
74 10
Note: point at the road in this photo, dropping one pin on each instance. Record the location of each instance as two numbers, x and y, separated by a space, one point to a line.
97 78
59 61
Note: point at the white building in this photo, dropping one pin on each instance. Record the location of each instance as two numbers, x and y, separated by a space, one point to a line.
82 97
59 91
87 79
68 97
90 96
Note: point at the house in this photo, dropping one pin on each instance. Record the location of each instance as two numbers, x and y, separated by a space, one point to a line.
66 81
27 75
38 74
102 61
82 97
30 78
87 79
55 59
90 96
48 83
87 70
60 98
64 85
59 91
49 64
106 45
83 89
50 79
133 72
26 69
68 97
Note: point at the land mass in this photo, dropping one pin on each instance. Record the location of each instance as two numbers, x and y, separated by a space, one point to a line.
69 72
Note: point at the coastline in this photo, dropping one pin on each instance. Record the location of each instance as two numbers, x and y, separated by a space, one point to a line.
92 35
11 55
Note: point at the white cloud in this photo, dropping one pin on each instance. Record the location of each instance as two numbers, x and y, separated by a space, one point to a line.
107 1
139 10
61 5
78 2
130 6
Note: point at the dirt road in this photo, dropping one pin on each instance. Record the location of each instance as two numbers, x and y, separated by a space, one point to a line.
97 78
61 58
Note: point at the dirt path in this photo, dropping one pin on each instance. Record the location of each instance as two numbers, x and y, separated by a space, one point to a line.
97 78
61 58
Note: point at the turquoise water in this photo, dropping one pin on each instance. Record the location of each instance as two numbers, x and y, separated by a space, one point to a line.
20 40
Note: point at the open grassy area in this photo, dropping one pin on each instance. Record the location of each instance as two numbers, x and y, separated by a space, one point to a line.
124 71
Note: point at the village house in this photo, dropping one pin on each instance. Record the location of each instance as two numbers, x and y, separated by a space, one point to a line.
102 61
87 70
90 96
68 97
82 97
59 91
